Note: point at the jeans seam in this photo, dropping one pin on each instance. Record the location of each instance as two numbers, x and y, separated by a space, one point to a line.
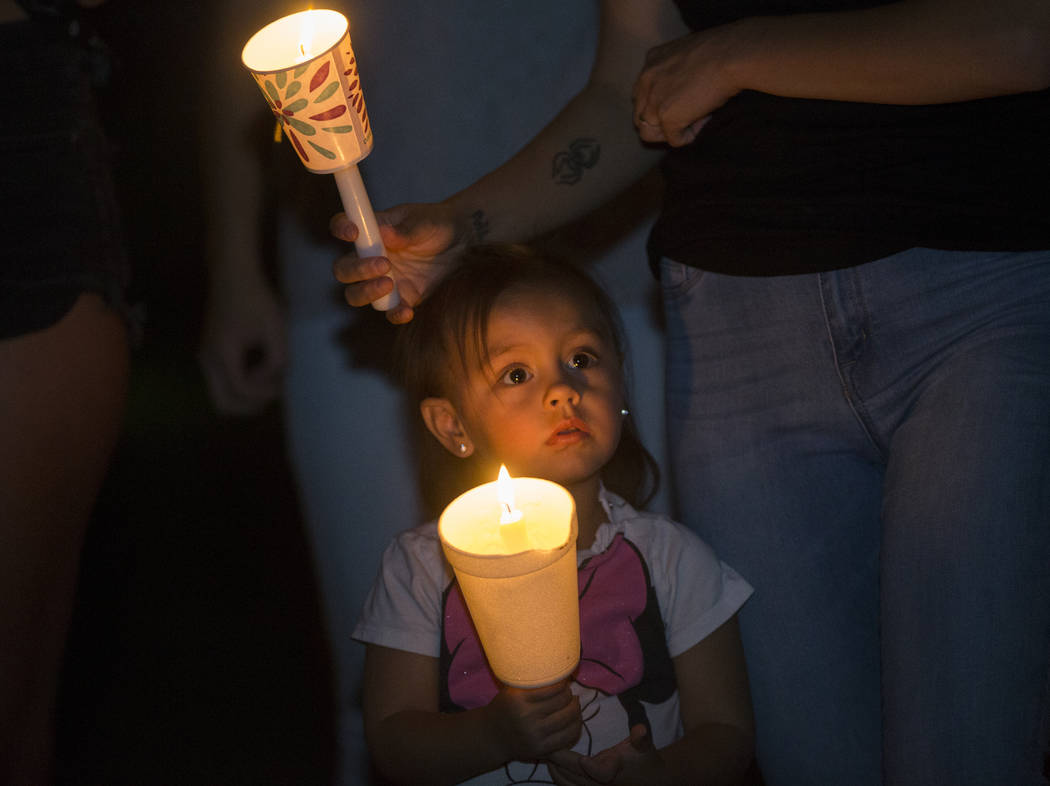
844 383
690 276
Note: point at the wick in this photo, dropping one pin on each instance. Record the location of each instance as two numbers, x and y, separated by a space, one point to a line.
509 516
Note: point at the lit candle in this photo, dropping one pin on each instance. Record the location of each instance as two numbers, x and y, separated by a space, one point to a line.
512 531
514 555
306 69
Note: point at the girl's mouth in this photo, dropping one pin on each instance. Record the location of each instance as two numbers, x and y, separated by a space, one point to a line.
568 431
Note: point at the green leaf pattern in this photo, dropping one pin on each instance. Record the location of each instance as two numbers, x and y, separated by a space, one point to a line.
324 151
327 92
279 91
300 126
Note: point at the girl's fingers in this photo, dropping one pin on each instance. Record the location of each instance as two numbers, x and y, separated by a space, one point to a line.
563 726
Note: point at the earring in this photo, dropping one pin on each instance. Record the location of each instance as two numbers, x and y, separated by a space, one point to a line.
625 412
462 448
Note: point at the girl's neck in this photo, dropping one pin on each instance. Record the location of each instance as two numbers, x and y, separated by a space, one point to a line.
589 512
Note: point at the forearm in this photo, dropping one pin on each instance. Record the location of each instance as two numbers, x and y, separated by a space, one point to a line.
234 133
909 52
712 754
431 748
558 177
588 154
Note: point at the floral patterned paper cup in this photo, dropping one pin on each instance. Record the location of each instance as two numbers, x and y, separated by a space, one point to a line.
305 66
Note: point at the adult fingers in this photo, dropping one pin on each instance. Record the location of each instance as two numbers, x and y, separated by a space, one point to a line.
352 269
342 227
679 134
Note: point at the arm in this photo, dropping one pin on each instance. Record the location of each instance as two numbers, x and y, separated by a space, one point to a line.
716 711
907 52
588 153
718 744
412 743
529 195
242 349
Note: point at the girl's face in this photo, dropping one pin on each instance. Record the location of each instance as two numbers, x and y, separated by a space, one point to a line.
548 402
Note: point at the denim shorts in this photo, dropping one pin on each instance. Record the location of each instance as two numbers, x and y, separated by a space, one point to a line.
58 209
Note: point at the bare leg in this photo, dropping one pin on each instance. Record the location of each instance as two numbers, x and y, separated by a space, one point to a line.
62 393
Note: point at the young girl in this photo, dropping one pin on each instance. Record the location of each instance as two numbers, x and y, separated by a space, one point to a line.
517 359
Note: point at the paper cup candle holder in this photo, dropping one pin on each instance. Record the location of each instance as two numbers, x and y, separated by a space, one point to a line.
512 545
306 69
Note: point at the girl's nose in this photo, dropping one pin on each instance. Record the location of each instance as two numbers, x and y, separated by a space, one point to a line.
561 393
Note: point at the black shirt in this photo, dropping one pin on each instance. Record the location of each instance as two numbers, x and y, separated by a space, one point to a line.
776 185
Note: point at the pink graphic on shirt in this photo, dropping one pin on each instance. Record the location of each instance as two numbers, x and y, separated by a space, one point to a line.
471 682
613 594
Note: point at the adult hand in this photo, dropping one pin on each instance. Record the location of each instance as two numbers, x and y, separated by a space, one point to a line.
243 349
421 242
535 722
631 762
681 84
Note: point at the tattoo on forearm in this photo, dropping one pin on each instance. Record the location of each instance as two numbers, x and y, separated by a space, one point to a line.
480 225
568 165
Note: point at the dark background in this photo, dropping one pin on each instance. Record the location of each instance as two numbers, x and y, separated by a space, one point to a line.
197 653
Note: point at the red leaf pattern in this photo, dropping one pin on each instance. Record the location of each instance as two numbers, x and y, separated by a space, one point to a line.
298 145
329 114
318 78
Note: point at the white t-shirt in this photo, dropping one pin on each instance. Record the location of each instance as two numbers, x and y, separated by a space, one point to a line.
650 590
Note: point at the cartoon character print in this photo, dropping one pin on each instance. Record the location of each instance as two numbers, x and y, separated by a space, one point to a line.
623 648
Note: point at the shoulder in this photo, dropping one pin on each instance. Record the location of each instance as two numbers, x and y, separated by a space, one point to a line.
655 533
697 592
422 538
403 609
416 553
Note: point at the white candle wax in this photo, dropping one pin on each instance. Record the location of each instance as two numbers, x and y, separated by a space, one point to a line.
293 40
512 529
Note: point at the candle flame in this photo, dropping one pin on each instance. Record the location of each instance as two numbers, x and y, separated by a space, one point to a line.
306 37
505 495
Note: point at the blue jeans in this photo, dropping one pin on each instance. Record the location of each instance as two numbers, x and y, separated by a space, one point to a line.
870 448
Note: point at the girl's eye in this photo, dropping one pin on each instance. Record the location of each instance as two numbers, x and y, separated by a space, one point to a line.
516 376
582 360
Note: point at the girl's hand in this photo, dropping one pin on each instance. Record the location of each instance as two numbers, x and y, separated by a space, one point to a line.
682 83
631 762
533 723
421 242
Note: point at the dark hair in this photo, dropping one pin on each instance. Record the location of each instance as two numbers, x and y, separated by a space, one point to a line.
447 337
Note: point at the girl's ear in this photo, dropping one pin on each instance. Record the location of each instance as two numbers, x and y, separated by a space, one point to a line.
443 422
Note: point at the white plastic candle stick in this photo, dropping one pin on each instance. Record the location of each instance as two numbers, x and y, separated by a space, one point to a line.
358 209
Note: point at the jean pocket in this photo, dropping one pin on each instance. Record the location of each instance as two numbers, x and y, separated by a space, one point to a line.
677 279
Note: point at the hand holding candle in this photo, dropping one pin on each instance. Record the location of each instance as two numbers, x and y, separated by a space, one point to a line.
306 69
519 583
